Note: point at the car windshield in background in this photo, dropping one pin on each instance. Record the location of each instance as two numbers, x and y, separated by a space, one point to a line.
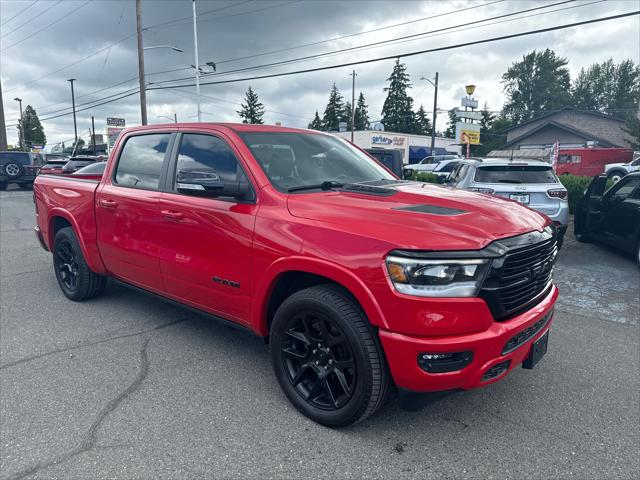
293 160
92 169
515 174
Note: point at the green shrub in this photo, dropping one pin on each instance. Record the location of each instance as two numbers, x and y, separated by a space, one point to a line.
425 177
575 187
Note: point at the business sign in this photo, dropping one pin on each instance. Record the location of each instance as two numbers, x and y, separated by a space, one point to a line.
112 135
469 115
469 102
387 140
115 122
468 133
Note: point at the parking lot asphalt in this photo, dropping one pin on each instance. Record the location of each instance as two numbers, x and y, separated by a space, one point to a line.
126 386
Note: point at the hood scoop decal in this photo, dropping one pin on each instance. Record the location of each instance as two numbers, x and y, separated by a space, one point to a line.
433 210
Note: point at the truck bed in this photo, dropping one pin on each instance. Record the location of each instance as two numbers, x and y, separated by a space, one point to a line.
64 199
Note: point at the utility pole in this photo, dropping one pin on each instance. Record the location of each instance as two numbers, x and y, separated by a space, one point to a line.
435 115
24 141
353 102
175 118
73 103
3 127
93 134
197 66
143 86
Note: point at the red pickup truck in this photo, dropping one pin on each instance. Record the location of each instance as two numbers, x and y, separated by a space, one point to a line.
357 279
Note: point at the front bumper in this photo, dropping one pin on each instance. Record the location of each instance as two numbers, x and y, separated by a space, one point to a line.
402 351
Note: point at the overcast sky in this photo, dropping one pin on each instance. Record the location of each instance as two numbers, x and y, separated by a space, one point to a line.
43 44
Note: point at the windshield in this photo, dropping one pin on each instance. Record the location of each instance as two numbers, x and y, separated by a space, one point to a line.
515 174
293 160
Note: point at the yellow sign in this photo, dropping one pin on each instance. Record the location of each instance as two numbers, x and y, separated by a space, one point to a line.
468 136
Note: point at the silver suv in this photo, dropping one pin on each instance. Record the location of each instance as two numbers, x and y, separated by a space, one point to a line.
531 183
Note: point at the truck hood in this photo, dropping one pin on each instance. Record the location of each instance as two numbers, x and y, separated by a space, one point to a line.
419 216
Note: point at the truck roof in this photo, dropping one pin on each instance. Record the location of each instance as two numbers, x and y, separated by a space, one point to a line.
237 127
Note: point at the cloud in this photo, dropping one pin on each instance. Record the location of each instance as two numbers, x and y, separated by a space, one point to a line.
228 30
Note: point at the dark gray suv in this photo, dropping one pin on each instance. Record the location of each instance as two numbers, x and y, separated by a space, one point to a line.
20 168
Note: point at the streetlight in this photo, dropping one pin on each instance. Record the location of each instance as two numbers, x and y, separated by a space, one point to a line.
73 102
19 100
197 65
175 49
174 119
435 111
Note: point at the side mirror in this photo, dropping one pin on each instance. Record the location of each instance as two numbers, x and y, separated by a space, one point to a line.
209 184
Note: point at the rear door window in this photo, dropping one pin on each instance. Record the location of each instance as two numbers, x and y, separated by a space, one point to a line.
141 160
515 174
448 167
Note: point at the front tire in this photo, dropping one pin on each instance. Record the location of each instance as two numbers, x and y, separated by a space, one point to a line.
74 277
327 357
616 175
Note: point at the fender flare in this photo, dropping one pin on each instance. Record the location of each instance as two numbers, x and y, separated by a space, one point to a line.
89 249
323 268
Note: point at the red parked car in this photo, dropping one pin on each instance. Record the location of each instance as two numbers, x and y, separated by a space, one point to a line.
356 278
590 162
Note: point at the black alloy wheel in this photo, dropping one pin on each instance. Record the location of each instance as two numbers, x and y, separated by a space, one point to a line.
327 357
318 360
66 264
75 278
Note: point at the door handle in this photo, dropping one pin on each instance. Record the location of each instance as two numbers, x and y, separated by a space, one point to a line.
108 204
172 214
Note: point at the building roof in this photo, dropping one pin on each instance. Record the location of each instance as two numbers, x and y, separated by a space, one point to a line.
553 123
564 109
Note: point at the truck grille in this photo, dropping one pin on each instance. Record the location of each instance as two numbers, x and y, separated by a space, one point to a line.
521 277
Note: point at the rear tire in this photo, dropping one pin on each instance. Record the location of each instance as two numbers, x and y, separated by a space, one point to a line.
583 237
327 357
74 277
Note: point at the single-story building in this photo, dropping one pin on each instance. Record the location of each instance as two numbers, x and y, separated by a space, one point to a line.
412 147
572 128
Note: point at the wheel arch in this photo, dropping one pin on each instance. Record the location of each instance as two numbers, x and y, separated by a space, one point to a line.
59 219
293 274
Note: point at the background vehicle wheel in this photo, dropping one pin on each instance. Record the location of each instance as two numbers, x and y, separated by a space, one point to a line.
616 175
13 170
76 281
327 357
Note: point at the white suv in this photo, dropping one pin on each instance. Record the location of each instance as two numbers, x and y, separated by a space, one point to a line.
615 171
531 183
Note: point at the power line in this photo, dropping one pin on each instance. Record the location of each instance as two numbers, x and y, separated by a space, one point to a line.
201 14
31 19
21 11
356 34
381 42
408 54
40 30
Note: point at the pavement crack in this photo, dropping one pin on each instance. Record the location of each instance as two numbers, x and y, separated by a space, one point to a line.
89 441
24 273
91 343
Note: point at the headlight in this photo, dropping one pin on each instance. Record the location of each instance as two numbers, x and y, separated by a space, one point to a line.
437 277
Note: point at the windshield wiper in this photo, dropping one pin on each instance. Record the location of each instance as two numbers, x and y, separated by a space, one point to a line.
327 185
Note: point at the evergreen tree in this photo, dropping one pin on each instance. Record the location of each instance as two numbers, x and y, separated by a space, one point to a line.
450 132
421 123
347 115
251 110
32 128
334 111
608 87
632 127
397 111
362 114
316 124
535 85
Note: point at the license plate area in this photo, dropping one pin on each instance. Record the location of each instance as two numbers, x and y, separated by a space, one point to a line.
538 349
520 197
